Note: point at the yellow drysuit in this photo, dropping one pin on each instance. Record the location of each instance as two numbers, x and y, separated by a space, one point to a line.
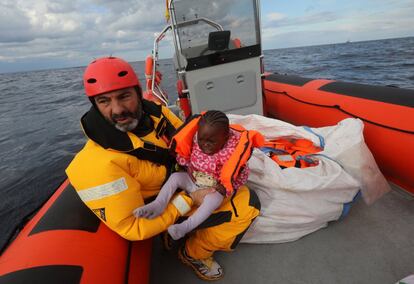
116 172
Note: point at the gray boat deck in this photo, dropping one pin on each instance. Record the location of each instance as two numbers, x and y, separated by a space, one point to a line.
373 244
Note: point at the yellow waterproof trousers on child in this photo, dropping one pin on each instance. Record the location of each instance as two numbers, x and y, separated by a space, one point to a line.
224 229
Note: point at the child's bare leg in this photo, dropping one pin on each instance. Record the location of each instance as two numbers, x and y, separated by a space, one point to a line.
155 208
211 202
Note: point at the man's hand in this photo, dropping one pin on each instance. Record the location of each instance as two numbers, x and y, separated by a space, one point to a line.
198 195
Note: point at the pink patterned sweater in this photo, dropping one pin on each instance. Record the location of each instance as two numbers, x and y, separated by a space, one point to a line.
212 164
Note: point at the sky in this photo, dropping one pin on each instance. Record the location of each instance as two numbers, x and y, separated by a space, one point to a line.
47 34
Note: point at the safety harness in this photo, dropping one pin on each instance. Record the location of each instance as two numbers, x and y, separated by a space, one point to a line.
100 131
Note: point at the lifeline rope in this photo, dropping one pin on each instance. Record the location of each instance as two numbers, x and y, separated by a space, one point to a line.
344 111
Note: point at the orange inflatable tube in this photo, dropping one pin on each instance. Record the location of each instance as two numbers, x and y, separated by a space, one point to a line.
66 243
387 113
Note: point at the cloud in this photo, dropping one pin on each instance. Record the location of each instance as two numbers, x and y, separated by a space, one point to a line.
383 19
273 20
15 26
274 17
397 20
77 28
75 31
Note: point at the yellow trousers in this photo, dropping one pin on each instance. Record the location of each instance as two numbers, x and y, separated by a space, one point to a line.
226 226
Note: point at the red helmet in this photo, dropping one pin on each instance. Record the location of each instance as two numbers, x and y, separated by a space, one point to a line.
108 74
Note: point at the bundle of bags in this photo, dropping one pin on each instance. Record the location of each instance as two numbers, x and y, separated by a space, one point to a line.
298 201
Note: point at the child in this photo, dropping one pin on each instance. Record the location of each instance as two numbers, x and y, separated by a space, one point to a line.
211 146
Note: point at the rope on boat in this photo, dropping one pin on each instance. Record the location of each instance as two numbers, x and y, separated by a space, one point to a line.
338 107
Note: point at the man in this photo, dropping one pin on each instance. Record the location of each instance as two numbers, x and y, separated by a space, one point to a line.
126 160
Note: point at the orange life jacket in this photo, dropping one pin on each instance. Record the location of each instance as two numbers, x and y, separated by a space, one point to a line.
183 139
292 152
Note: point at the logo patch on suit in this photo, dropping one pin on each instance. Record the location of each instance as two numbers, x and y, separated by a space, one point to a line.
100 212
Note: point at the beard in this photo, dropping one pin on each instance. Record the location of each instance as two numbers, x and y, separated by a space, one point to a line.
129 126
125 127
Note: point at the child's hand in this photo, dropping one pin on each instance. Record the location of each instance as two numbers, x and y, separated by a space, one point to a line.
221 189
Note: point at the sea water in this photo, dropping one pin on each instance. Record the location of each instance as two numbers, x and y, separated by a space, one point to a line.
40 111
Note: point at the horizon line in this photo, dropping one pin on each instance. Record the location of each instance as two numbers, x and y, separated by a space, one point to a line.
279 48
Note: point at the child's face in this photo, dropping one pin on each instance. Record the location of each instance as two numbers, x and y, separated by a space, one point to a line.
211 139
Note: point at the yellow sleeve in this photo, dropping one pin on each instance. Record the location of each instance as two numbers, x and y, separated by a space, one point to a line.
112 194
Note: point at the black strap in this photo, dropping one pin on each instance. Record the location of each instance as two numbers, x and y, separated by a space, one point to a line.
153 153
165 128
161 127
232 203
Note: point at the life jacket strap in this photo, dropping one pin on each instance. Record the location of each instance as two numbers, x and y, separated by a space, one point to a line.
165 130
153 153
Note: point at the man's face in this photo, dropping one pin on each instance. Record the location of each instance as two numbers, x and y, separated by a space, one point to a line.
122 108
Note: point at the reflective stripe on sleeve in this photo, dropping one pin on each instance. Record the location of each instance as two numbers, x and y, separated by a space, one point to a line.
104 190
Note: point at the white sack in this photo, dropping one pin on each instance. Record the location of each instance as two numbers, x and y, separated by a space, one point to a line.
296 202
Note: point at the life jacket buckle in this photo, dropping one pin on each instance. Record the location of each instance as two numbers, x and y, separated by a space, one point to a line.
162 126
149 146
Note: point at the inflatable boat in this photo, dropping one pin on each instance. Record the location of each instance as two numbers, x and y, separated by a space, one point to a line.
64 242
387 112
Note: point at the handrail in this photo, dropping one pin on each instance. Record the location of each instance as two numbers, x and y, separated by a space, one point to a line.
203 19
